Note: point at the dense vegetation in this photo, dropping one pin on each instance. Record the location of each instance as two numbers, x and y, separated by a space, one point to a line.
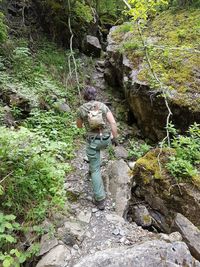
92 17
35 152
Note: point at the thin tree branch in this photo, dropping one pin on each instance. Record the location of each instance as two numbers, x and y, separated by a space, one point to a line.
72 52
6 176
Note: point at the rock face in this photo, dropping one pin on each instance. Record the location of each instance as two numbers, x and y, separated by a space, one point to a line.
57 257
164 197
92 46
141 216
190 234
155 253
119 185
147 104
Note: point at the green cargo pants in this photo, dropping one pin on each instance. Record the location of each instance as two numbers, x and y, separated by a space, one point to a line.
93 153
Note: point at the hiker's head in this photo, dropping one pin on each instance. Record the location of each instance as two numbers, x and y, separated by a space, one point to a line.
90 93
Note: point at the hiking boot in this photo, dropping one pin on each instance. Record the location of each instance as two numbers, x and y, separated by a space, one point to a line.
100 204
88 176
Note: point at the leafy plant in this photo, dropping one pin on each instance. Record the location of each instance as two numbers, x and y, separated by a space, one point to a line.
183 165
142 9
59 128
9 255
137 149
32 179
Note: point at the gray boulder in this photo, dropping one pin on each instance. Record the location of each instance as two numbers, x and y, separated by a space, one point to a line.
47 243
92 46
151 254
141 216
190 234
120 152
119 185
62 107
56 257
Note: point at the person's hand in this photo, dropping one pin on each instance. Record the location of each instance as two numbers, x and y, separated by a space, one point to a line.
114 141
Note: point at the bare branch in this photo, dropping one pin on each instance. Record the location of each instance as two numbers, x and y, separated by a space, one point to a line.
72 52
6 176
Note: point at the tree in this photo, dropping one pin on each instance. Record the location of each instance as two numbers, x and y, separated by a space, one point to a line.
142 9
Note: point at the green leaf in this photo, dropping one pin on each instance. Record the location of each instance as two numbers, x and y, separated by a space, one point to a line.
8 225
8 262
10 239
10 217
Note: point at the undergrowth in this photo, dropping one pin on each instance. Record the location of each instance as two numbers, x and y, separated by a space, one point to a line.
34 156
184 164
137 149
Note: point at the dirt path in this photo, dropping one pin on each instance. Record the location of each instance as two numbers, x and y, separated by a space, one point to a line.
96 230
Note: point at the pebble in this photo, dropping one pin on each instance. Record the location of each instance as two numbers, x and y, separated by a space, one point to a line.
131 164
76 247
123 239
127 242
92 251
94 210
122 233
98 214
116 232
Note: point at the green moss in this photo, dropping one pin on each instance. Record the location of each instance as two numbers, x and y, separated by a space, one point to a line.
126 27
196 180
146 218
173 39
151 164
83 12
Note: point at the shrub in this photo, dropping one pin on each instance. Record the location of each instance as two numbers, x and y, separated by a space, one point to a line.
31 178
138 149
183 165
59 129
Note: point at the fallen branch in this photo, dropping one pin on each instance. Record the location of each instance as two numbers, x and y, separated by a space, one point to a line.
6 176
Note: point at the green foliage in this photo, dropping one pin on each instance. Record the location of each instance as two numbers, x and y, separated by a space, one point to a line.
3 29
185 3
111 152
41 78
34 158
32 177
142 9
125 27
130 45
9 255
138 149
8 228
59 128
183 165
22 64
83 12
110 11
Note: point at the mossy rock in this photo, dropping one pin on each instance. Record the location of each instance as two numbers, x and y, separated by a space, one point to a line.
173 46
151 166
161 191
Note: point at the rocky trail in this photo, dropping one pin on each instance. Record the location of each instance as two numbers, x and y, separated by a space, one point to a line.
89 237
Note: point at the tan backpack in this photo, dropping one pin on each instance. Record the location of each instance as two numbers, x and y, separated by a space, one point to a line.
95 117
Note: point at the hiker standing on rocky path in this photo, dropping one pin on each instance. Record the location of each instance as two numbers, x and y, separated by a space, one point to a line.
101 131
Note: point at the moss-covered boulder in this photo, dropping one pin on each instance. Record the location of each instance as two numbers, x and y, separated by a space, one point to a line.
153 184
172 40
